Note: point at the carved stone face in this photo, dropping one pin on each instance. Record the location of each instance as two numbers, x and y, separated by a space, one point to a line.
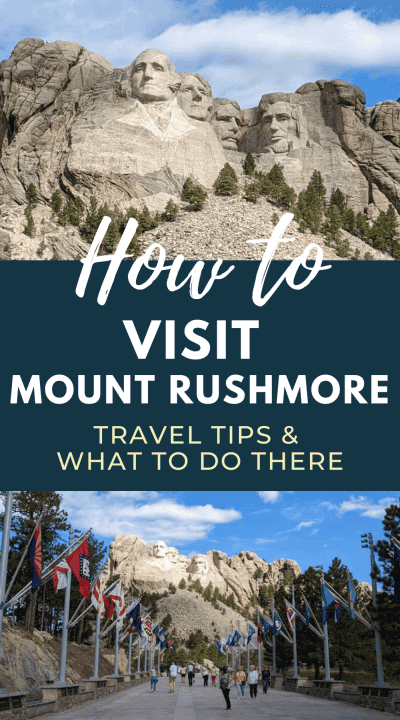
199 565
152 77
173 555
226 123
193 98
278 126
160 549
183 562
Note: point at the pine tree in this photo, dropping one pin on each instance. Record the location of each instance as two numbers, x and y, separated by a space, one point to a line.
226 182
29 505
92 220
56 202
361 226
332 224
171 211
32 195
338 199
29 228
193 194
252 192
392 232
249 164
318 186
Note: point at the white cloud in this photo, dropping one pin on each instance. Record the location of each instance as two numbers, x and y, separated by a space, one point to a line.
269 496
262 541
145 514
314 532
305 524
242 53
362 504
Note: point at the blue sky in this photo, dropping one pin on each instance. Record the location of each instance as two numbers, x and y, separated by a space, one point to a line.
244 49
307 526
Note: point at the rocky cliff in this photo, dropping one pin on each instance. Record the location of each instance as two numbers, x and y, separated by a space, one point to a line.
70 121
154 567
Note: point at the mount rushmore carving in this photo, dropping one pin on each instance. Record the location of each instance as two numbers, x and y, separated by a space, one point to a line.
69 120
155 567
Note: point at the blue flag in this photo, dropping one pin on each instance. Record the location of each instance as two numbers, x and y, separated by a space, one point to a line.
135 619
307 612
219 646
396 573
229 640
352 596
338 610
251 633
327 599
236 637
277 624
300 624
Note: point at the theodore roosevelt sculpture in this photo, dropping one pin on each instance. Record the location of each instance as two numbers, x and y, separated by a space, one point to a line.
225 119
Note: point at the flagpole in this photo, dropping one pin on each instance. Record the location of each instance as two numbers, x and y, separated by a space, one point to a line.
248 645
145 653
22 559
4 551
259 644
64 638
159 658
227 648
380 676
138 653
326 639
295 673
96 649
273 639
129 653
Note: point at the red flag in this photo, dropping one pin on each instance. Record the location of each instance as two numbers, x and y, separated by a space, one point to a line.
78 561
109 606
60 576
35 556
259 634
291 616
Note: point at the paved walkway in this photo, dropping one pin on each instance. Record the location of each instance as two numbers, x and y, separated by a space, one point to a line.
207 703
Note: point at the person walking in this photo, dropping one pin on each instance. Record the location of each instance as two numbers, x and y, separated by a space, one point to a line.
266 679
173 671
253 681
153 680
225 685
183 673
213 676
205 677
190 674
240 681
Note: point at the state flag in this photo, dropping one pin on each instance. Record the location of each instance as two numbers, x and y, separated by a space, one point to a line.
266 626
307 612
277 624
35 557
251 633
135 620
59 574
97 597
260 636
338 610
78 561
291 616
117 596
148 628
327 599
109 606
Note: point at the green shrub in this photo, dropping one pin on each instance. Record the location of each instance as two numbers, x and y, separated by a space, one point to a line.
31 195
29 228
226 182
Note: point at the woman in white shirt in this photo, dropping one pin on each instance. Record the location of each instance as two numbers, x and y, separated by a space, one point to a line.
253 681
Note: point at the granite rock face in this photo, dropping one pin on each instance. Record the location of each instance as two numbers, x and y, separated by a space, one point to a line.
154 567
40 86
70 121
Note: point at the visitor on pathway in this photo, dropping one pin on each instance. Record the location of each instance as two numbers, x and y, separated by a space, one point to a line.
253 681
173 671
153 680
183 674
225 684
190 673
266 679
213 676
240 681
205 677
